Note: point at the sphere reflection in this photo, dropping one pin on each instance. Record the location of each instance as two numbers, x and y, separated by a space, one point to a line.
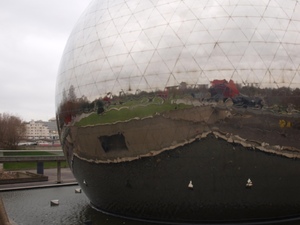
150 92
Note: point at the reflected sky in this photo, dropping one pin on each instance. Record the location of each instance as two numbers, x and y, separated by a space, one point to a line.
148 46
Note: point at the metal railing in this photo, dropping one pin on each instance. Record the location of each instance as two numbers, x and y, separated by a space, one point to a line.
39 159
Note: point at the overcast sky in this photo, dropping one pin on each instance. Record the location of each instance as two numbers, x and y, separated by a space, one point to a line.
33 34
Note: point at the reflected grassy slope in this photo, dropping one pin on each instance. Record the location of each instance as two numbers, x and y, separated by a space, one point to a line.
130 110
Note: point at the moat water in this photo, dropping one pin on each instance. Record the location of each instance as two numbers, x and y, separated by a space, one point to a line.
28 207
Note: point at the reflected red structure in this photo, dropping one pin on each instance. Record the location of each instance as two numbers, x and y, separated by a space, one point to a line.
224 89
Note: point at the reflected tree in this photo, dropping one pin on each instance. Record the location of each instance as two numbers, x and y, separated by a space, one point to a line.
71 94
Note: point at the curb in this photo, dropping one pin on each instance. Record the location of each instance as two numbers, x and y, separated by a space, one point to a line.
38 186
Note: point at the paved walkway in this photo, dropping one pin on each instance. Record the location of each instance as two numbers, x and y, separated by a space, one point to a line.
67 178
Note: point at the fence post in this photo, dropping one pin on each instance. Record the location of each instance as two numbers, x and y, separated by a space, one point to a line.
1 164
58 172
40 168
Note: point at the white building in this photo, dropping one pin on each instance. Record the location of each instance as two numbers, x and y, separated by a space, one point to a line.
41 130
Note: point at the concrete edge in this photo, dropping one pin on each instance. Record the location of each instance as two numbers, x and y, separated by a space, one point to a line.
24 180
3 215
38 186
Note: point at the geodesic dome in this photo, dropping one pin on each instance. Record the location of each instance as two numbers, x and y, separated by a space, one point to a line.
184 110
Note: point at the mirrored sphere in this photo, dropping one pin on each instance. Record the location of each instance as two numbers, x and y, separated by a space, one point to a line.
184 110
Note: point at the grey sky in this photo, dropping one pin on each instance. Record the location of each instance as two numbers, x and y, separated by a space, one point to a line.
32 38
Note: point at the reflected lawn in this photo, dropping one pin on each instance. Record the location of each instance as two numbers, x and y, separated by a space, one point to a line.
130 111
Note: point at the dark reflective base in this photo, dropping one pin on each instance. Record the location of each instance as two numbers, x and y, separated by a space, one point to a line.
156 188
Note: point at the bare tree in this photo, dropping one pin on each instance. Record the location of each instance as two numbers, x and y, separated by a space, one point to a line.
12 129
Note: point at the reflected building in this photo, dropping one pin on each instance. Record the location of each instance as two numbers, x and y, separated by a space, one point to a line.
153 96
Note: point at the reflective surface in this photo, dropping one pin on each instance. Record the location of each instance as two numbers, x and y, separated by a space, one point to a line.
142 79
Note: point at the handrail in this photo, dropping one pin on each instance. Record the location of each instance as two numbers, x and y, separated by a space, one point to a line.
31 151
35 158
55 153
54 158
31 158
